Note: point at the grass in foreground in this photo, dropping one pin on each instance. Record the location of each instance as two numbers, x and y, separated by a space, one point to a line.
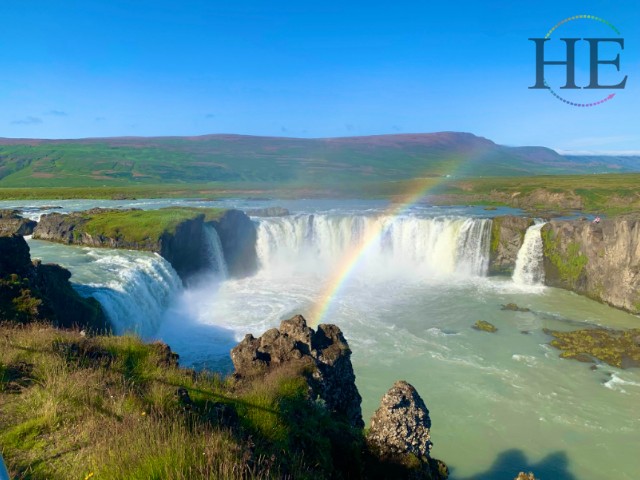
74 407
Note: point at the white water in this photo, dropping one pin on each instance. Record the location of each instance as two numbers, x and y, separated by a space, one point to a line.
529 269
134 288
500 403
407 246
134 292
217 264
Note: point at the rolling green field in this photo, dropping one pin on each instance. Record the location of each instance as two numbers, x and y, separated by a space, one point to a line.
454 168
245 160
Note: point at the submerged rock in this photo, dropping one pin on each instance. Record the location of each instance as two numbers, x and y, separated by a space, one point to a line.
484 326
324 354
615 347
514 308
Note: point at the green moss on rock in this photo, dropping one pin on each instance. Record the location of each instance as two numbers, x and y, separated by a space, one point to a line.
568 263
484 326
514 308
143 225
619 348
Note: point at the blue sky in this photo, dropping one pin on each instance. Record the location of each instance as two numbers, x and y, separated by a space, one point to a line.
307 69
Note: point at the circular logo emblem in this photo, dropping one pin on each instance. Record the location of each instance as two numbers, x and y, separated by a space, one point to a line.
548 36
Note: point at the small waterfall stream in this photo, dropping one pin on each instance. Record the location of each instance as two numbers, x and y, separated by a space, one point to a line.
529 269
214 252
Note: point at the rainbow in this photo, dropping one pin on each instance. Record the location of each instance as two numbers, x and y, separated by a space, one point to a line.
351 259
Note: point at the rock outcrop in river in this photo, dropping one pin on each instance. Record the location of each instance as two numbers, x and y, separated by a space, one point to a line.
11 223
601 261
398 443
177 234
400 427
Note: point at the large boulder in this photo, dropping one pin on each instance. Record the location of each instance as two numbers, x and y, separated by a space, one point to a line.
324 353
401 424
400 440
11 223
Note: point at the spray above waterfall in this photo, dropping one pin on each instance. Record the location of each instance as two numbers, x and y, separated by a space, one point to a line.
400 245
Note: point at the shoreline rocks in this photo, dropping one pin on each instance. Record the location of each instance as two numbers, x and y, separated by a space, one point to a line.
42 292
12 223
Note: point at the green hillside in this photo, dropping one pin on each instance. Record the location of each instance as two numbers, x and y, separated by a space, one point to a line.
236 160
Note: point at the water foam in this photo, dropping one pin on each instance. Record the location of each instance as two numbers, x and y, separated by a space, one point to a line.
529 269
134 289
408 245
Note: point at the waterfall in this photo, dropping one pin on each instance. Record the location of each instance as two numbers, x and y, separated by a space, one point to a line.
405 245
214 252
529 269
133 288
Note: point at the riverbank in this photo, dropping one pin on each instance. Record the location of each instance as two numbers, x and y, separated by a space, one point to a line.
598 193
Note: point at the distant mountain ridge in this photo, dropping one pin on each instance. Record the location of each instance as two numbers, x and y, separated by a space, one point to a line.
122 161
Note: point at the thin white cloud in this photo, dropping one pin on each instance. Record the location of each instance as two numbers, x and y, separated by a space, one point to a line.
27 121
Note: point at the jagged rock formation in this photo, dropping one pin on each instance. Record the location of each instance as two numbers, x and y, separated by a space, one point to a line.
324 354
11 223
402 423
601 261
507 236
36 292
400 437
184 246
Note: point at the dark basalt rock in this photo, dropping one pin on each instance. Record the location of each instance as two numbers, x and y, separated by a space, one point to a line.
185 248
42 292
401 424
11 223
400 437
238 237
324 353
